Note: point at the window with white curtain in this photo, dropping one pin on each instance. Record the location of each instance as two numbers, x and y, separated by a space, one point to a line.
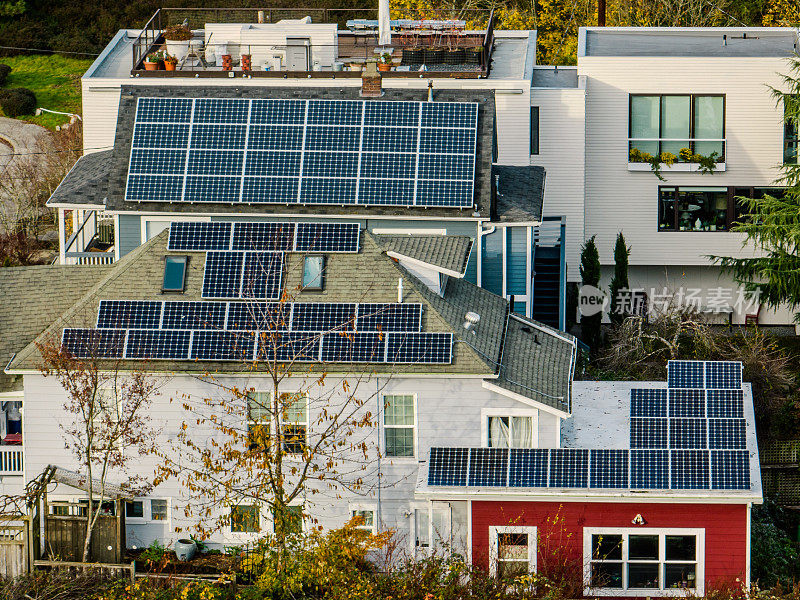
507 431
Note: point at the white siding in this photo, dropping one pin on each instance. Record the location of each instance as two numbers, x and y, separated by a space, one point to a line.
100 107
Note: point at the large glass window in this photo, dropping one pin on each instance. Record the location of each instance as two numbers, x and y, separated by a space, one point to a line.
510 432
704 208
791 126
245 518
644 560
398 414
293 420
671 122
512 551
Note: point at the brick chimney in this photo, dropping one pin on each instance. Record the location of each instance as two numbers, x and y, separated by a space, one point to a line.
371 81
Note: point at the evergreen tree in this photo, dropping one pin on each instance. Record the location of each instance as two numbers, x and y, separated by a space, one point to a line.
772 224
590 275
620 280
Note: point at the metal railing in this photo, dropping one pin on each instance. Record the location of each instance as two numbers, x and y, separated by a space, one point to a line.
11 460
89 258
674 145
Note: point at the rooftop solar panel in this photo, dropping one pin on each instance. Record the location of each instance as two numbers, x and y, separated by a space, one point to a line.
488 467
222 276
649 469
128 314
689 469
688 433
448 466
223 345
727 434
263 236
529 467
262 275
319 316
349 347
199 236
327 237
389 317
303 151
725 403
289 346
649 403
569 468
685 374
687 403
148 344
194 315
94 343
648 432
608 469
261 316
730 470
423 347
724 375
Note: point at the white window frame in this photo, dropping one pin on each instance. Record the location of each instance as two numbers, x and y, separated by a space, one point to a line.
509 412
494 534
261 520
147 511
352 508
280 418
700 549
413 427
304 519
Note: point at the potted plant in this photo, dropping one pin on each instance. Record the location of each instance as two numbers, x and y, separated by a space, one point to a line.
170 62
152 61
178 37
385 62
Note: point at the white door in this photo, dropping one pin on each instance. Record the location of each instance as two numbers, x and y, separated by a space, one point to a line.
440 526
297 54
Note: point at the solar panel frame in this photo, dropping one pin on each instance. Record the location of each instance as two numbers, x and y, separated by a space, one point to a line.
448 467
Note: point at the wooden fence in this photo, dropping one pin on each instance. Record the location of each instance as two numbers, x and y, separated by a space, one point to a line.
65 533
14 545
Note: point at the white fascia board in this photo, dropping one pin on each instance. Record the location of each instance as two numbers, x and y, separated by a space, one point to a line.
244 216
525 400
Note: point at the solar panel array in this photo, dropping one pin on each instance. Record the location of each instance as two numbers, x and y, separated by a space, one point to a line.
342 152
264 236
681 437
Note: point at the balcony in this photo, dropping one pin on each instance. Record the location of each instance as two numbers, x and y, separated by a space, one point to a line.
313 43
684 151
91 241
11 460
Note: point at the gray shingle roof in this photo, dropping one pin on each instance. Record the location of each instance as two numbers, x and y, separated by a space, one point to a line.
448 252
87 181
31 298
125 119
520 193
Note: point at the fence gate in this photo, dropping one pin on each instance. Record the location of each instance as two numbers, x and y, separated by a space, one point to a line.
14 545
65 532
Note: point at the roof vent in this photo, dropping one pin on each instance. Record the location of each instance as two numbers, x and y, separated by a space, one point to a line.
471 319
430 90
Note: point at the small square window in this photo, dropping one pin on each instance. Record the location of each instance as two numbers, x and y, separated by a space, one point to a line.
244 519
134 510
313 272
174 273
158 510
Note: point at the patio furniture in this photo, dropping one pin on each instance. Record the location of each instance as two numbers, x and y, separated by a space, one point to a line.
752 318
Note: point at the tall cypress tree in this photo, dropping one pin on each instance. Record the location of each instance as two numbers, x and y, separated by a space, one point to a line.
620 280
772 223
590 275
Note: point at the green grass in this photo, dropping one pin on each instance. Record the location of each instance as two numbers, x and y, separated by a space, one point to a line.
54 79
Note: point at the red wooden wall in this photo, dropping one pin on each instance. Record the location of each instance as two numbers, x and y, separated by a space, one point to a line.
561 525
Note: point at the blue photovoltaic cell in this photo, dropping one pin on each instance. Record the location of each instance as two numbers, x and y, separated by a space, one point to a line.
444 141
727 434
154 188
529 467
319 316
164 110
194 315
211 189
278 112
377 164
449 114
334 113
159 136
330 164
273 164
94 343
221 110
128 314
448 466
354 347
261 316
288 346
648 433
685 374
725 403
280 190
218 137
222 345
649 403
401 316
446 166
730 470
441 193
392 114
199 236
214 162
687 403
649 469
569 468
149 344
688 433
327 237
323 190
420 347
608 469
724 375
222 276
262 275
689 469
488 467
385 191
275 137
377 139
165 162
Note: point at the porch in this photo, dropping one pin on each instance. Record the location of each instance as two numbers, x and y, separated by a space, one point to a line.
85 237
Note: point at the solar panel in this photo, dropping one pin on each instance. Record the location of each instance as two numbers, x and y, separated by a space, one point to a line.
288 346
687 403
688 433
488 467
648 403
261 316
649 469
448 466
222 345
569 467
194 315
160 344
730 470
222 276
303 151
689 469
262 275
685 374
327 237
725 403
93 343
725 375
199 236
399 316
318 316
528 467
354 347
728 434
128 314
608 469
263 236
420 348
648 432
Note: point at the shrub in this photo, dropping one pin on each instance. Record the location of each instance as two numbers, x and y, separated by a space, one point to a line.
177 33
18 101
4 71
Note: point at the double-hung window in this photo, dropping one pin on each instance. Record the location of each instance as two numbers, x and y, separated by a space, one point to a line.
512 551
366 515
293 420
791 127
668 123
510 429
398 425
644 561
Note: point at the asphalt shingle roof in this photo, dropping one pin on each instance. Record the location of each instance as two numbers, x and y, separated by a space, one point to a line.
31 298
520 193
87 181
448 252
